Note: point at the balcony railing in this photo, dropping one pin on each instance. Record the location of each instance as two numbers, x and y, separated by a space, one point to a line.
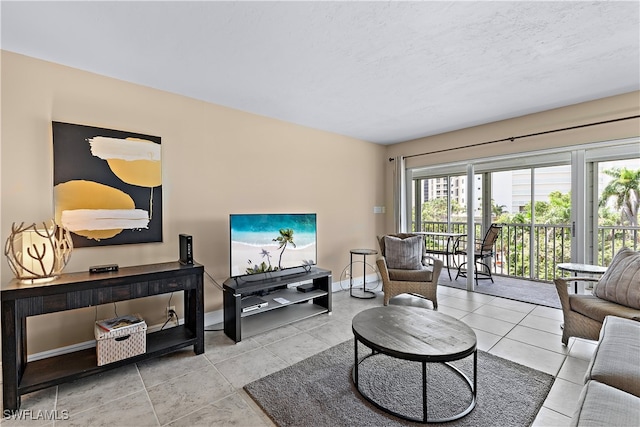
533 251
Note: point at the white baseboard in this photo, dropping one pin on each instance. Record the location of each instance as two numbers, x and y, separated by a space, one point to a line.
211 318
61 350
81 346
372 279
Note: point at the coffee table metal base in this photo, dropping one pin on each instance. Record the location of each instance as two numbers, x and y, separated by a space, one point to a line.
425 418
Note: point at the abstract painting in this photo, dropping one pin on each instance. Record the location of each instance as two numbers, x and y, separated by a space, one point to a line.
107 185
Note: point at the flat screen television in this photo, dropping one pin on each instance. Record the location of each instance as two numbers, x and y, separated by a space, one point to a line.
270 245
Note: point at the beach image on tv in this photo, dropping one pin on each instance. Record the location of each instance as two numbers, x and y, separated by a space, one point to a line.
262 243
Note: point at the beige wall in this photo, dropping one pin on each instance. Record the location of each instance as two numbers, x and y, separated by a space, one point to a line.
216 161
604 109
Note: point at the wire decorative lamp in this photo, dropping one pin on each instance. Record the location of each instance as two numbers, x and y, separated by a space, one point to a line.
38 252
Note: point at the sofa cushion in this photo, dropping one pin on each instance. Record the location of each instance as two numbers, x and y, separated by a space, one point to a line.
597 309
602 405
404 254
616 360
621 282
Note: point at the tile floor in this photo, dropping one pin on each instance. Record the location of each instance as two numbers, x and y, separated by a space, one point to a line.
183 389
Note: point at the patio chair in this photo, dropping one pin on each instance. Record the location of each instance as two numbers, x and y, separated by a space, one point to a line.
483 252
406 268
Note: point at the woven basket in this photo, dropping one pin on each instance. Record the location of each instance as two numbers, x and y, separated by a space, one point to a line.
120 343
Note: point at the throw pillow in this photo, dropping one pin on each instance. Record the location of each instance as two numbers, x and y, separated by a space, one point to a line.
621 282
404 254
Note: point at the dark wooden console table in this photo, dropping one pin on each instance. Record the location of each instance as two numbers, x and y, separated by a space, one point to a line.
78 290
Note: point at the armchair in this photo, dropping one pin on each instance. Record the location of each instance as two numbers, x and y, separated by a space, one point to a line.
616 293
406 268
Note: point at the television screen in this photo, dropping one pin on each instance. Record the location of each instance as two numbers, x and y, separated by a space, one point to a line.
271 243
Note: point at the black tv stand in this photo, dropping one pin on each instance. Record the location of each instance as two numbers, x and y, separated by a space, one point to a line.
298 305
272 275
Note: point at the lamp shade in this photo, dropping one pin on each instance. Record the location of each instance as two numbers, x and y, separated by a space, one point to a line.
38 252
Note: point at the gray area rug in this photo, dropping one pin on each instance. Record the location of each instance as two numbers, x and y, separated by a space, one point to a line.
539 293
318 391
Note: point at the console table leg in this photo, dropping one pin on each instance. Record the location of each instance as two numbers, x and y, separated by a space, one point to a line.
198 301
13 355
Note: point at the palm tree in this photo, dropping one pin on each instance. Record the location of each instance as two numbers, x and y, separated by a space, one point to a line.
625 187
497 210
285 237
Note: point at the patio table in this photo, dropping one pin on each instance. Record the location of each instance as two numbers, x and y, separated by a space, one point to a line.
449 247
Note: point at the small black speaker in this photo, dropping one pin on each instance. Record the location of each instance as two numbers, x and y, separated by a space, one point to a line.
186 249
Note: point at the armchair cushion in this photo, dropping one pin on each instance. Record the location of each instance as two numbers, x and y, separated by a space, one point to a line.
404 254
621 282
425 274
597 309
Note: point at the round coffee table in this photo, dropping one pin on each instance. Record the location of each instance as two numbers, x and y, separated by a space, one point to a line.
420 335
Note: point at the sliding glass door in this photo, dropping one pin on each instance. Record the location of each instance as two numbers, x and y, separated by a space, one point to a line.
534 206
578 205
618 191
440 204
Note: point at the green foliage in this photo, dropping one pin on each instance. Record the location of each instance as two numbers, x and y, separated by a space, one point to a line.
558 208
556 211
607 217
436 209
624 188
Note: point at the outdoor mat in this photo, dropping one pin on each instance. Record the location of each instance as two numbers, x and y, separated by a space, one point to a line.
539 293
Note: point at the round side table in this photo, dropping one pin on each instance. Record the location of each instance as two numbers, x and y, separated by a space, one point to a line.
364 293
576 268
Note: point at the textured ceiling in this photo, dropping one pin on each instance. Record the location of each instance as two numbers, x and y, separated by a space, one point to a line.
379 71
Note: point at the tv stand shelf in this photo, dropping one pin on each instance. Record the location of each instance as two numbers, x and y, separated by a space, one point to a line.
78 290
299 305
